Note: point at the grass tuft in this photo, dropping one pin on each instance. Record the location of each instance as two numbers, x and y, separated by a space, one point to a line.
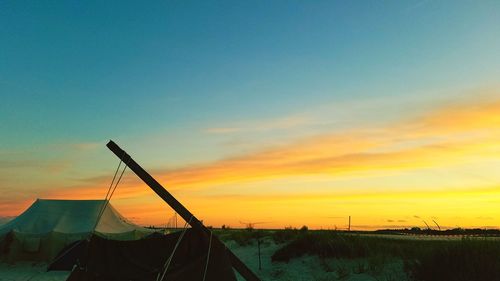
465 260
424 260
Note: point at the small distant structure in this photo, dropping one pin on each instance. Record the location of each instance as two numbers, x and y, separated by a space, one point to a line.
172 221
250 225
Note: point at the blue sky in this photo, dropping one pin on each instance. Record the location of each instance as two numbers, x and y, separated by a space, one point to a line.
186 82
177 64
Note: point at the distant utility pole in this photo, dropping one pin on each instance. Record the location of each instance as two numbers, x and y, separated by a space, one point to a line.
349 228
258 245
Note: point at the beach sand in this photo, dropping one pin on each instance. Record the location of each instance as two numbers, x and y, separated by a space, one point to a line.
24 271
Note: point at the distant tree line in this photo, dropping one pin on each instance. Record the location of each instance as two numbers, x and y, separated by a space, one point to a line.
453 231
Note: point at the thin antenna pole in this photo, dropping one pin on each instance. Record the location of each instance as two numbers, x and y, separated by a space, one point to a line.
349 229
258 245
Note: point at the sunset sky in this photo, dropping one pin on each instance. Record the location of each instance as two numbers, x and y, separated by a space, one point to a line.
288 113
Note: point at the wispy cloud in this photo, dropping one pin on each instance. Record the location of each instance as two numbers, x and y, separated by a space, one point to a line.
39 172
86 146
442 137
282 123
459 132
416 5
437 139
222 130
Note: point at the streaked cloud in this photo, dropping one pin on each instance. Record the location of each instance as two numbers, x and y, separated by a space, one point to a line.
85 146
222 130
445 136
263 125
456 134
442 137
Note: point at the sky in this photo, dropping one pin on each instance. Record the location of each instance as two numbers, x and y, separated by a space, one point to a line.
286 113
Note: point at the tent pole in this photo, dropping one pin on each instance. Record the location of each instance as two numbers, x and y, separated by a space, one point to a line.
178 207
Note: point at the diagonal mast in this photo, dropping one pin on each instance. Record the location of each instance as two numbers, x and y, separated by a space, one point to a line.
178 207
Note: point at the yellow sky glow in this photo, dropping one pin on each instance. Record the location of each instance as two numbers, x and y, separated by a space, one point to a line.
440 166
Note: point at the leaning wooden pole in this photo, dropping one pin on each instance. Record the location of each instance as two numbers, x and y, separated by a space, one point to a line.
178 207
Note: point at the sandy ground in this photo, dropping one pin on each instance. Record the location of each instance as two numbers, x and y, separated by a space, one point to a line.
304 268
314 268
25 271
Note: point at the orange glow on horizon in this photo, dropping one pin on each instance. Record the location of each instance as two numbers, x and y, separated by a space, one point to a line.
447 139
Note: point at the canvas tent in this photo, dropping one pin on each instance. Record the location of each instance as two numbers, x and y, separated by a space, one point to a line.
110 252
193 258
47 226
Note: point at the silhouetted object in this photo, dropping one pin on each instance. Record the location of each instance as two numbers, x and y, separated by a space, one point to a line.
113 260
251 225
428 227
69 256
180 209
258 246
437 225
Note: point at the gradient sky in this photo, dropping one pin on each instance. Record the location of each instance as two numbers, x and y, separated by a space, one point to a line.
284 112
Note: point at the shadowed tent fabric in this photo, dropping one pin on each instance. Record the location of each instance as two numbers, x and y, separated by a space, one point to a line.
69 256
141 260
47 226
73 253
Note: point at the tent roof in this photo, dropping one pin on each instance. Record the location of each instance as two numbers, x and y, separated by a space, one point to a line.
68 216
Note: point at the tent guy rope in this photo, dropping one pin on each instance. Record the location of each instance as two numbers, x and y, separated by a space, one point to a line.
101 211
112 189
208 257
167 262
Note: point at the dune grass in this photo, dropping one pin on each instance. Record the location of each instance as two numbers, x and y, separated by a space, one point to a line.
471 259
463 260
331 244
466 259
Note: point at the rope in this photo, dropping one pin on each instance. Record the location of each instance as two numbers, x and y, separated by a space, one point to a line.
107 194
167 263
121 175
114 177
112 189
101 211
208 256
